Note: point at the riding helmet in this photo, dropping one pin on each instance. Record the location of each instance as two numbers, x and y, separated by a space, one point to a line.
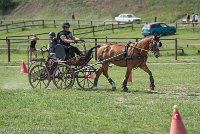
52 34
66 24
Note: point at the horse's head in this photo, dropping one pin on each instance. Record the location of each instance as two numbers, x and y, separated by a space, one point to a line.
154 45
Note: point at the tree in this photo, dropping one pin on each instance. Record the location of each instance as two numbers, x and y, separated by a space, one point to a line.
6 4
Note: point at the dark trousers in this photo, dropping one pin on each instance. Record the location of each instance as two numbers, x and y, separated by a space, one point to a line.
71 50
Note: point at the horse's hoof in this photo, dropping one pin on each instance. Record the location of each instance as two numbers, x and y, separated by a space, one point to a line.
152 87
94 88
124 89
113 88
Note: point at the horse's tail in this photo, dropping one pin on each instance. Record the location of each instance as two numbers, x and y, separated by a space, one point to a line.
89 53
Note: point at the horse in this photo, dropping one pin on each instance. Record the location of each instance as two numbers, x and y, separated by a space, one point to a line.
130 55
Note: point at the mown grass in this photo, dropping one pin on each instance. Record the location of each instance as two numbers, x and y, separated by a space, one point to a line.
102 111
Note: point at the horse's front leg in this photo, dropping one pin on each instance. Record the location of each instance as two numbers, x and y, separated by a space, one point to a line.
124 84
151 79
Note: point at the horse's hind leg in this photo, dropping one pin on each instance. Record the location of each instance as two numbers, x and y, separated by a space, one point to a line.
105 73
146 69
98 73
103 69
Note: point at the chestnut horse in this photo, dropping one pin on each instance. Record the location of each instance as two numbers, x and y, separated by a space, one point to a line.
131 55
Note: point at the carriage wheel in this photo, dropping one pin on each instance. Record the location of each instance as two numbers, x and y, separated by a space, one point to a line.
41 63
63 77
39 77
85 78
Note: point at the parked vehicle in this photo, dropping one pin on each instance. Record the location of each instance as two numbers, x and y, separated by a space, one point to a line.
158 28
128 18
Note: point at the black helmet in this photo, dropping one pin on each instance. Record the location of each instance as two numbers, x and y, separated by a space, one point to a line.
52 34
66 24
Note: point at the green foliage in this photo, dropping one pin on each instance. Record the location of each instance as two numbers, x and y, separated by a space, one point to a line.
6 5
168 10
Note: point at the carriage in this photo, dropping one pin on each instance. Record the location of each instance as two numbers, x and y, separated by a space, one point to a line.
63 72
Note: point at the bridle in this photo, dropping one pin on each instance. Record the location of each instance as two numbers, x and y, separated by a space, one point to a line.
153 46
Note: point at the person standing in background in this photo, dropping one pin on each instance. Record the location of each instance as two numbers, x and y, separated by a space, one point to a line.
193 17
32 48
188 18
73 16
196 18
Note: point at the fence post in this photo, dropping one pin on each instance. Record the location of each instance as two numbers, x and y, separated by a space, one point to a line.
43 23
106 39
176 49
7 28
8 45
78 23
93 30
91 24
95 43
54 23
112 28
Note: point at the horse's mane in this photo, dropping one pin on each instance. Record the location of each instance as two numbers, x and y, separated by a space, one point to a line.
112 43
145 39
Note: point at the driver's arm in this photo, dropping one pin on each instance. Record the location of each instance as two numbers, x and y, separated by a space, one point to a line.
75 38
64 39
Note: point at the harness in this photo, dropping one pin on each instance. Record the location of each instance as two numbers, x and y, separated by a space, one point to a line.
136 50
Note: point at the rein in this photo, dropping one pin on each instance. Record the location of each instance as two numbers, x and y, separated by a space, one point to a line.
140 48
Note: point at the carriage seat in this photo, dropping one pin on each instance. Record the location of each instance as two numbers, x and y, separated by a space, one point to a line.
60 52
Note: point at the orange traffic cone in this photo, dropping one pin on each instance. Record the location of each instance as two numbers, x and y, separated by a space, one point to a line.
89 75
130 77
177 126
23 68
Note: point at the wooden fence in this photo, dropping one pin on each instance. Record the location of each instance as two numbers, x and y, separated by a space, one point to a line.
7 25
105 27
94 41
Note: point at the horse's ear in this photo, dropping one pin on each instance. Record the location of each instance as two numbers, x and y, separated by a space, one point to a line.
160 44
157 36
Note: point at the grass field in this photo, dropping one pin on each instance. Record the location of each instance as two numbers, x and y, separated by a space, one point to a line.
103 111
141 111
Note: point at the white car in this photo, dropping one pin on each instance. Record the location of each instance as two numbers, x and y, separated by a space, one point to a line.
128 18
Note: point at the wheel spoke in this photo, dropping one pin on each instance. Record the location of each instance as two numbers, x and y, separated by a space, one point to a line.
39 76
63 77
84 80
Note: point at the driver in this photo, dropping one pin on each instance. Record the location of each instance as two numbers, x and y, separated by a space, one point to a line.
65 38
